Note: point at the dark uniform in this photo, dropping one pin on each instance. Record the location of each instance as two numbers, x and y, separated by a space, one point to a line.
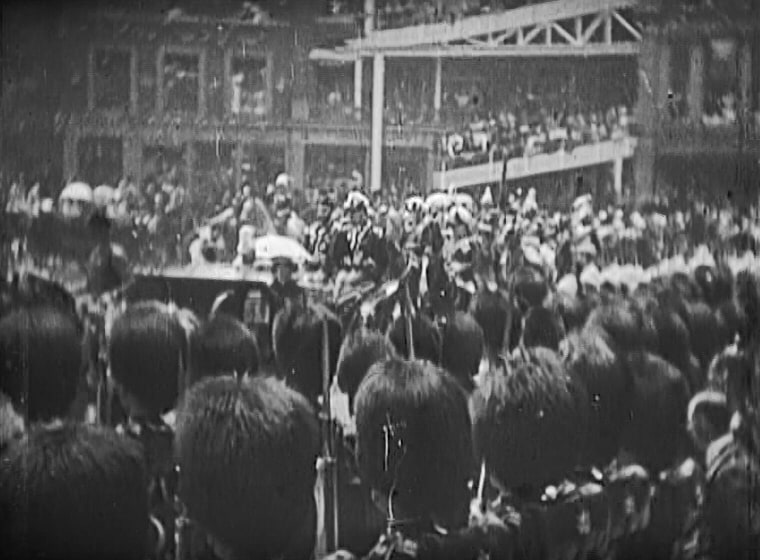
280 293
360 249
317 240
156 439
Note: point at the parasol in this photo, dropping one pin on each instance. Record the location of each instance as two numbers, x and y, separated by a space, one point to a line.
274 246
77 191
103 195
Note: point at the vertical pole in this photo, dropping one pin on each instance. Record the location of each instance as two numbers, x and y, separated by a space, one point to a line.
579 29
91 79
608 28
358 77
695 93
369 16
618 170
378 102
437 93
745 79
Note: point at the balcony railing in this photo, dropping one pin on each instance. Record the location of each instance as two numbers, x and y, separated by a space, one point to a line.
677 136
517 168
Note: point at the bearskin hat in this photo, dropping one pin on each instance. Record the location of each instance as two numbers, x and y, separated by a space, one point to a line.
360 350
298 335
148 353
223 345
40 361
541 327
747 297
527 425
608 385
247 449
530 287
74 491
462 348
425 334
623 324
705 331
492 310
656 432
414 444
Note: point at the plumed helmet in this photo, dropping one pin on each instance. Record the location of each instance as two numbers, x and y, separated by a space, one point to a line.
414 204
459 215
487 198
357 201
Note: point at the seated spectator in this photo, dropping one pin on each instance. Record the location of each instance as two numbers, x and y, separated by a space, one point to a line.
247 450
74 491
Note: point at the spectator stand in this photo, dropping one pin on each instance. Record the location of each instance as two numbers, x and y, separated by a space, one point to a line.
401 57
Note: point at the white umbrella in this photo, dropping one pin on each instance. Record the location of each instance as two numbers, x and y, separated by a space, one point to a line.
77 191
103 195
274 246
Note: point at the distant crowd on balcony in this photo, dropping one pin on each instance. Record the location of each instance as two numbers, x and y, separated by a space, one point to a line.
393 14
515 134
720 110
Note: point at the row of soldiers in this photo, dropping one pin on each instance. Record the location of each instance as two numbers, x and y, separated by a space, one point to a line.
231 453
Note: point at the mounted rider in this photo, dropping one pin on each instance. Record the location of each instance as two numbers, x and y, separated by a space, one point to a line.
320 233
108 264
358 251
462 248
287 221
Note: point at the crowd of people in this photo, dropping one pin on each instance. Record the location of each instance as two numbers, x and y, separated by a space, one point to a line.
563 409
508 136
392 14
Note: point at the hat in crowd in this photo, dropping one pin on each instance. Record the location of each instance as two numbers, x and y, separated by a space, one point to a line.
568 285
487 198
283 261
582 207
357 179
414 204
282 180
638 221
591 276
485 228
459 215
357 201
586 247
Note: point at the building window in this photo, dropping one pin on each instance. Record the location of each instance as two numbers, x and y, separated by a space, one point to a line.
333 95
181 82
721 85
100 160
260 165
214 176
163 168
112 79
249 94
334 168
